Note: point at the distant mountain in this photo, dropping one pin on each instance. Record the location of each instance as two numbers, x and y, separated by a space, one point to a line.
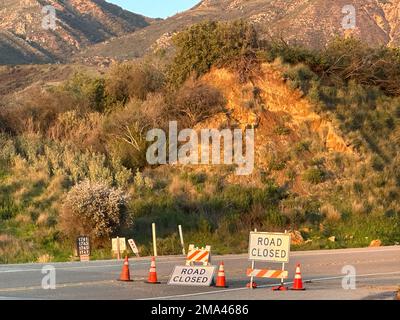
309 22
79 23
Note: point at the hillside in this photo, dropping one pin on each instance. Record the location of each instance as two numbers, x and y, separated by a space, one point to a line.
80 23
312 23
74 147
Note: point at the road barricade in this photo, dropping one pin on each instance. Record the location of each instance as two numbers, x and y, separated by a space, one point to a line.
191 274
196 255
268 247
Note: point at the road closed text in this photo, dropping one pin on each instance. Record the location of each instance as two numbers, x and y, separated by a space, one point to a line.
192 276
273 254
272 247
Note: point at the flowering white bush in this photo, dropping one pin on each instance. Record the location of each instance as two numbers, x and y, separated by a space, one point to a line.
94 209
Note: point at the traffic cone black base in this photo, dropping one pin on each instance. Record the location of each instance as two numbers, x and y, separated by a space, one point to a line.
125 280
280 288
214 285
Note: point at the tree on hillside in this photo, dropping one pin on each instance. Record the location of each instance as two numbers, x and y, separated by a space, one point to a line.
224 44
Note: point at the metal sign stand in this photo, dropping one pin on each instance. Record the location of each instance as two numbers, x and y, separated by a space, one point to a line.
281 287
253 266
118 250
182 242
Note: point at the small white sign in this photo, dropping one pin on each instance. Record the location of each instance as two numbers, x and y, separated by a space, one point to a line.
133 246
122 244
192 276
269 247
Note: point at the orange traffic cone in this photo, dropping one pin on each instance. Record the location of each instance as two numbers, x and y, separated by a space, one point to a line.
125 274
152 272
221 281
298 282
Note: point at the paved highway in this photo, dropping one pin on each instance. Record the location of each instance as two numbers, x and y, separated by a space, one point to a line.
377 272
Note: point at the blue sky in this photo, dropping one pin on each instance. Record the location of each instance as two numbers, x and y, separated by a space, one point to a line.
156 8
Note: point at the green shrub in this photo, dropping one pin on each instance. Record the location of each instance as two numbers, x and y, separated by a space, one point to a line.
231 44
35 110
125 133
89 90
377 163
314 175
195 102
8 209
292 54
197 178
300 77
282 130
132 80
277 165
303 146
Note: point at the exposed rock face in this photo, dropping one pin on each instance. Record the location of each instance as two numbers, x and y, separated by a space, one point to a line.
279 98
78 23
279 105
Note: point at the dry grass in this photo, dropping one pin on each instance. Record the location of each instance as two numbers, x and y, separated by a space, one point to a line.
23 219
331 213
210 188
182 188
42 219
358 207
45 258
15 250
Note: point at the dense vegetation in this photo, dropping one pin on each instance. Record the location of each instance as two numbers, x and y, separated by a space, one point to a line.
72 156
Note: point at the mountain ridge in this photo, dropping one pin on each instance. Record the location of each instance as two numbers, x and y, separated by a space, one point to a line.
79 23
310 23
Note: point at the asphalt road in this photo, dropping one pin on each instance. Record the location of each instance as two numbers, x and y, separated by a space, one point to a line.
377 277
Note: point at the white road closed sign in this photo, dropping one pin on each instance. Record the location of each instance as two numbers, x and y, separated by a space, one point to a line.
269 247
192 276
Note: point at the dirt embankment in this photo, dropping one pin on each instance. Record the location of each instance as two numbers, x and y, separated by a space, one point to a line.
282 119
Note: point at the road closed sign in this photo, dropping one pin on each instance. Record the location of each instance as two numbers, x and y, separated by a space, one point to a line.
269 247
192 276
